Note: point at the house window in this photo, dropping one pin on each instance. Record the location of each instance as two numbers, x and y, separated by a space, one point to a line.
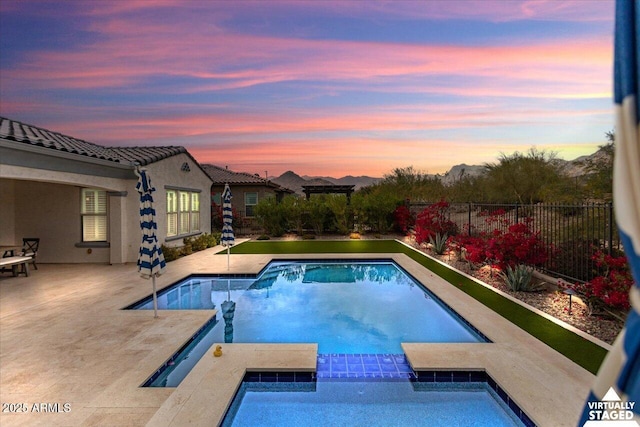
250 201
93 212
183 212
183 217
172 213
194 222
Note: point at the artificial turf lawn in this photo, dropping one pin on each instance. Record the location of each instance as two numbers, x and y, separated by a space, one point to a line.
581 351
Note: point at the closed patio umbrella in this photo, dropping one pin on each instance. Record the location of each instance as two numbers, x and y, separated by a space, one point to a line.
618 382
150 258
228 238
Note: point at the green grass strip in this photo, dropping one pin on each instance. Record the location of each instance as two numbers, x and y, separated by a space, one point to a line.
582 351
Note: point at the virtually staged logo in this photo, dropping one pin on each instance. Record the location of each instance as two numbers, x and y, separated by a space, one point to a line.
611 411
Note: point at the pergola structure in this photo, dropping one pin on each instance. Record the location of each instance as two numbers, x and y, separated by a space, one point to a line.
329 189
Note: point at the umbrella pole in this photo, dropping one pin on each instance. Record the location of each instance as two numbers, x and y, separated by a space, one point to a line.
155 297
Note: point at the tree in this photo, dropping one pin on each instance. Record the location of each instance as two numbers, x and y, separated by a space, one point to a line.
523 177
599 170
294 208
270 216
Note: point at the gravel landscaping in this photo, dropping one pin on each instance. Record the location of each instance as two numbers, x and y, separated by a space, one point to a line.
548 300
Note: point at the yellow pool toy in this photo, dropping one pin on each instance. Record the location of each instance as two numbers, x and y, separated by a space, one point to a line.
218 351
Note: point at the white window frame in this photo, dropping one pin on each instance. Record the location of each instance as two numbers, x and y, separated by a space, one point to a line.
172 213
183 212
94 215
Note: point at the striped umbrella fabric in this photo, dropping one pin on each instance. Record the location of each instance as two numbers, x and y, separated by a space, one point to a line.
228 239
616 391
151 261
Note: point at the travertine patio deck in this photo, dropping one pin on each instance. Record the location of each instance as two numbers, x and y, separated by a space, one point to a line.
64 339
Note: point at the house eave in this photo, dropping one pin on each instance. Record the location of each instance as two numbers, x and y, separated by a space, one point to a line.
20 154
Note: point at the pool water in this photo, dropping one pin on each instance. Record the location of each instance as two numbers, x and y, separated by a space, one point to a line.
355 308
367 404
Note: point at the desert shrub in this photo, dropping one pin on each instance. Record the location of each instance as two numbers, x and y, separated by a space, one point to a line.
294 208
170 254
319 214
518 244
434 220
341 213
270 216
611 288
439 243
403 219
518 278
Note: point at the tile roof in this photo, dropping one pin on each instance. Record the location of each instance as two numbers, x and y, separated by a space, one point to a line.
20 132
225 176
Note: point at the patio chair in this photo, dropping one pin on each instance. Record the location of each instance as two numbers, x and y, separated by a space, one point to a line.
30 248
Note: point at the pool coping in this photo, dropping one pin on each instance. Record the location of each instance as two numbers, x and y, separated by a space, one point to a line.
529 370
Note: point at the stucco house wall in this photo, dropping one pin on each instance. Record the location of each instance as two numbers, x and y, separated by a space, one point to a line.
40 193
170 174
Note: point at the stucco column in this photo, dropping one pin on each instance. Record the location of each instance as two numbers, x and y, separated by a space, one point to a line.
117 201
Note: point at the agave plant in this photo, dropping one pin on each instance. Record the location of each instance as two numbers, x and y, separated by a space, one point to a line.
439 243
518 278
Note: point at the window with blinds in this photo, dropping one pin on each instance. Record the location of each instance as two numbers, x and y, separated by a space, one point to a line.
93 212
194 219
183 212
172 213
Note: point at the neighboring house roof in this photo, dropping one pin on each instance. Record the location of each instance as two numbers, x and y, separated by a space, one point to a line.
21 132
223 176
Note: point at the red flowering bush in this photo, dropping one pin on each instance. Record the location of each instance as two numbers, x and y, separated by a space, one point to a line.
612 287
403 218
434 220
506 245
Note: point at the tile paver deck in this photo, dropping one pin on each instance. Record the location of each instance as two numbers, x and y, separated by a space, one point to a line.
64 339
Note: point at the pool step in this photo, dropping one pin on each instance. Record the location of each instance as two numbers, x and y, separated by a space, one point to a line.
364 366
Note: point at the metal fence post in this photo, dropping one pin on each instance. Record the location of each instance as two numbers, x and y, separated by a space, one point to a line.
610 227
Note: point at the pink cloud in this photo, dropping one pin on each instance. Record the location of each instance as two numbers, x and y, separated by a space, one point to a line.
566 68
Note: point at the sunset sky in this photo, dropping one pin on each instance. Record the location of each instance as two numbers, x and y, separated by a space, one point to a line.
317 87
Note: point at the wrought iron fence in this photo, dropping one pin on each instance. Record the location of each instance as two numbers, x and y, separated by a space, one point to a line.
571 233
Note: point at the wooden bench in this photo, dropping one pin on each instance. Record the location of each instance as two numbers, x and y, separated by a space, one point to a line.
14 262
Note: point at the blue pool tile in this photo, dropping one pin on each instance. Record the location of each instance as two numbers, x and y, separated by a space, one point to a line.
478 376
369 359
427 376
286 377
268 377
323 367
388 367
305 377
355 367
444 376
253 377
460 377
404 369
503 395
492 383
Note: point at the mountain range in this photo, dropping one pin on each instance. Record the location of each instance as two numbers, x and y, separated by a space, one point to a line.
293 181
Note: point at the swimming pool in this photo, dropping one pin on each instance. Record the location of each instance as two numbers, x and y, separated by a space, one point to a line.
359 307
355 307
360 403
